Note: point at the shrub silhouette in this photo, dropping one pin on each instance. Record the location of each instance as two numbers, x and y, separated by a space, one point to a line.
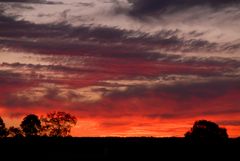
3 129
31 125
58 124
204 131
15 132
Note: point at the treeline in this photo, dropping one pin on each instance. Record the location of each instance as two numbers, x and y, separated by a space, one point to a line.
55 124
59 124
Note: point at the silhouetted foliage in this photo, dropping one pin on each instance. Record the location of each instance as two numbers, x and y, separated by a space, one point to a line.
204 131
15 132
58 124
31 125
3 129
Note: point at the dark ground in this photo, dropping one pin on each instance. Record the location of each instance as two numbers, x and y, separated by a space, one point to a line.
116 149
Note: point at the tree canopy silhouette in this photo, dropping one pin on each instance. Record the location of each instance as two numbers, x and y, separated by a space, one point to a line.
206 131
31 125
3 129
15 132
58 124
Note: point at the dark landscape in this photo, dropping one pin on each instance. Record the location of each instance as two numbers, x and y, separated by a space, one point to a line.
48 137
115 148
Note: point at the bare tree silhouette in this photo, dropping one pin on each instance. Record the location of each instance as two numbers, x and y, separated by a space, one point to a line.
31 125
3 129
58 124
206 131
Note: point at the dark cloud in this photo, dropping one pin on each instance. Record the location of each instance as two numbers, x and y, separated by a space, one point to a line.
231 47
192 100
52 93
30 1
10 84
38 67
86 4
8 78
29 101
16 77
100 40
112 124
150 7
159 104
230 122
182 91
165 116
13 101
204 112
219 111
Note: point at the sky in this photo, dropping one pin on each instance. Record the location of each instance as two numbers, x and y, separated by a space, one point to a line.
122 67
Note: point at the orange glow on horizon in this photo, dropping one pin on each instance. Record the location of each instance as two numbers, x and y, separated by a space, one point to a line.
136 127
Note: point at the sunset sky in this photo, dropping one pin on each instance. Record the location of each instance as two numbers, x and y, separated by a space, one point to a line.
122 67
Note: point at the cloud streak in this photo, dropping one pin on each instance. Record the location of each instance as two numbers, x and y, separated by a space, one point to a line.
29 1
146 7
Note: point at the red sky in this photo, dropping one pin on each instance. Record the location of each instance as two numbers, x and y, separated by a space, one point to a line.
124 68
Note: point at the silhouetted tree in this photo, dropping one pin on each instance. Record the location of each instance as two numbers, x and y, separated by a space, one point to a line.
3 129
206 131
31 125
15 132
58 124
